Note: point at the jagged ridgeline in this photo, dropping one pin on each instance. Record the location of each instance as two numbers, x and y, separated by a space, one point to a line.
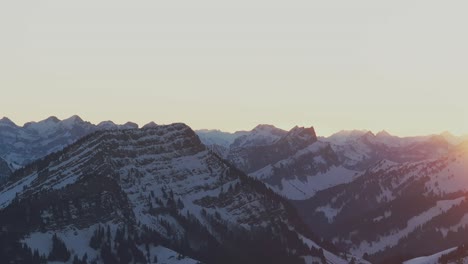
125 196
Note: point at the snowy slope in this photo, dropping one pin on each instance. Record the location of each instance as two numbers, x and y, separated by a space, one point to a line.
393 208
78 242
294 164
304 173
160 181
432 259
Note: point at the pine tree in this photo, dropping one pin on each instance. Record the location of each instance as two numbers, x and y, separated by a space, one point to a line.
59 250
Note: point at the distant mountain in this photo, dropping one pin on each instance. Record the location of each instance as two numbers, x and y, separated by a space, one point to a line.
357 150
261 135
452 139
293 163
300 169
217 137
137 195
22 145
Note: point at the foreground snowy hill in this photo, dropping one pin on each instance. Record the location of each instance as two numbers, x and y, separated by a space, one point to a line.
135 194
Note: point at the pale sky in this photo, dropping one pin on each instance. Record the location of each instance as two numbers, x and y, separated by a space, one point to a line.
398 65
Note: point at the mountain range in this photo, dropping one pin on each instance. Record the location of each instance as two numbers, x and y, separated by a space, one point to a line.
375 195
106 193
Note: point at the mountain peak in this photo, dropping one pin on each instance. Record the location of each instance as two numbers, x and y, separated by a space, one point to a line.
447 134
44 126
265 127
369 134
52 119
260 135
451 138
150 125
106 125
383 133
302 132
131 125
344 136
74 119
5 121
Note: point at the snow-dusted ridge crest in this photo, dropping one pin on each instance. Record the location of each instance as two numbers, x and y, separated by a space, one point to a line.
20 145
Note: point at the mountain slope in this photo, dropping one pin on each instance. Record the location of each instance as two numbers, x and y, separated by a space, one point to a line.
396 209
5 170
297 167
158 185
294 164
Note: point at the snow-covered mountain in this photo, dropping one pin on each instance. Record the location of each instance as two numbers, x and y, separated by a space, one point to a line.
341 186
22 145
452 139
360 149
292 163
222 142
369 193
211 137
138 194
395 209
297 167
259 136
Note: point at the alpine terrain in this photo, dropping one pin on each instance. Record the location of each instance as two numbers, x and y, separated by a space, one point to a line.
151 195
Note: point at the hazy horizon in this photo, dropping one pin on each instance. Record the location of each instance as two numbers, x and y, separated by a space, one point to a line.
398 66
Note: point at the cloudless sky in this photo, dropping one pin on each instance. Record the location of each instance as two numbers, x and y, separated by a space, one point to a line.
395 65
